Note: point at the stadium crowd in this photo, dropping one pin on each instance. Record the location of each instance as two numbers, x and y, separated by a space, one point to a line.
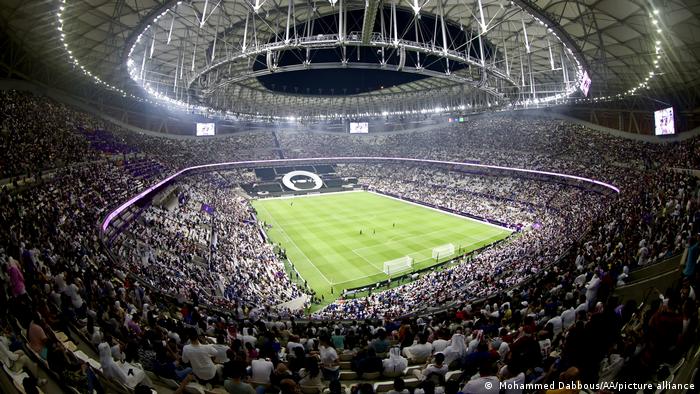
143 316
655 217
512 201
228 257
39 134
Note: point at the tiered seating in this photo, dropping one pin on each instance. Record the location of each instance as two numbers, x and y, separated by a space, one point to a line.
56 265
143 168
106 141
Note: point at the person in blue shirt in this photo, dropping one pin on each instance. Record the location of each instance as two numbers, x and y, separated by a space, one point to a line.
691 255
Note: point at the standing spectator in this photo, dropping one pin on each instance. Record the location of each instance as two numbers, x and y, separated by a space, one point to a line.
16 279
329 359
691 255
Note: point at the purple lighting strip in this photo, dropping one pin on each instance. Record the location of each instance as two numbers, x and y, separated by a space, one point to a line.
144 193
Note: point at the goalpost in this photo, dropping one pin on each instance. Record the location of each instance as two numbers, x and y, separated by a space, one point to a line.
443 251
398 265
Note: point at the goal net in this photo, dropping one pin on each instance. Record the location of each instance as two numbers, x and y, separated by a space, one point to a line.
443 251
398 265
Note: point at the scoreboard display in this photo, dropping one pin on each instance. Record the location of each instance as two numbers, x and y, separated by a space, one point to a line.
359 127
663 120
205 129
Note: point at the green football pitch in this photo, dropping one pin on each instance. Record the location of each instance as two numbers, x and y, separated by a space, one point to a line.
321 236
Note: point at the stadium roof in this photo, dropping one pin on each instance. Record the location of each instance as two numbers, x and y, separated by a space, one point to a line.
624 45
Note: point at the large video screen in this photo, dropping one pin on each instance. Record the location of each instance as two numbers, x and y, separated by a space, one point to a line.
663 120
359 127
204 129
585 83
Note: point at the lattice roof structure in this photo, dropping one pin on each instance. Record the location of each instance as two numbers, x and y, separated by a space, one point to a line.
470 53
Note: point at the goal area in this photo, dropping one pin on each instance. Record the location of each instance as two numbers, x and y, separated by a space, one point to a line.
398 265
443 251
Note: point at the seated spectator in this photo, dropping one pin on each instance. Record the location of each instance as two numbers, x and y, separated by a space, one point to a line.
167 366
289 386
380 344
334 387
482 355
126 374
456 351
438 368
367 361
261 369
221 348
362 388
427 387
72 371
419 352
296 360
234 383
310 375
486 383
201 357
569 377
399 387
394 365
30 385
338 339
18 360
280 373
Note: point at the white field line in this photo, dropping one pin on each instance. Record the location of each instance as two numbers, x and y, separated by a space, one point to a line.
382 272
441 211
391 241
355 251
369 262
293 196
295 245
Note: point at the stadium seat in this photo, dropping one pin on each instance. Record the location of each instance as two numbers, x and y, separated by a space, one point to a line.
383 387
394 374
195 388
169 383
371 375
408 371
348 375
453 376
311 389
216 390
412 382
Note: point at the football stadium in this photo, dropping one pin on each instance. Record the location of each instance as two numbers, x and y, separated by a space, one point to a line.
349 197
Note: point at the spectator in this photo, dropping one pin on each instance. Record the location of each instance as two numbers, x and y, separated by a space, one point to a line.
201 357
438 368
394 365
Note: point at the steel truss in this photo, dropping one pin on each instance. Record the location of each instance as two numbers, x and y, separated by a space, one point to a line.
475 53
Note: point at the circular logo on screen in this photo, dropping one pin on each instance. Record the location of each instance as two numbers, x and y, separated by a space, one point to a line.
302 180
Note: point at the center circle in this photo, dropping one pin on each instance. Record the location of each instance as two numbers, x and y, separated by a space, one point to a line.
289 183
